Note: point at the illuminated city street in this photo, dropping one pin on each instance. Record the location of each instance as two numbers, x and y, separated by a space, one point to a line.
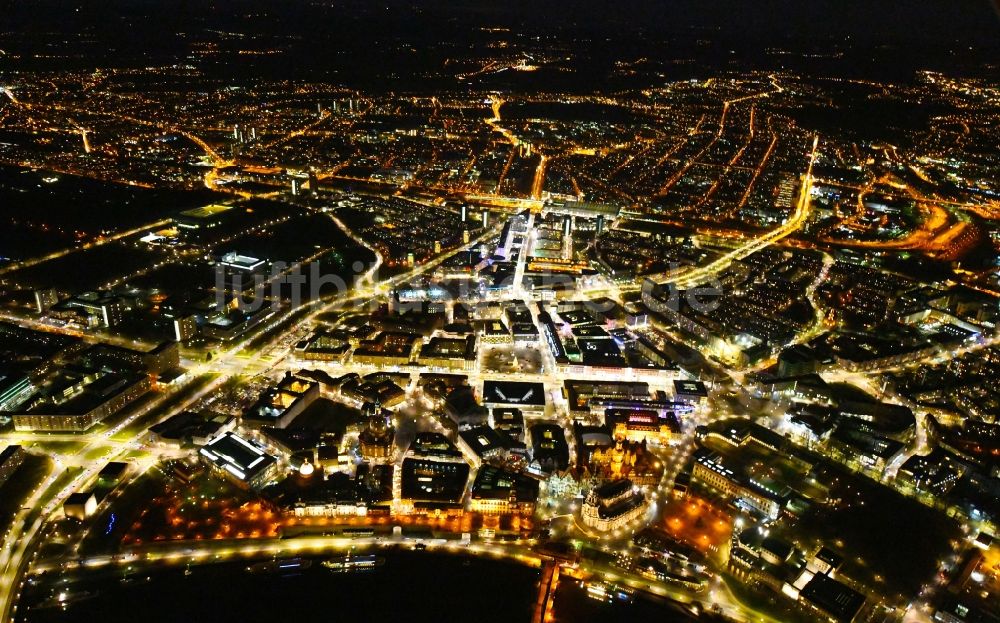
671 311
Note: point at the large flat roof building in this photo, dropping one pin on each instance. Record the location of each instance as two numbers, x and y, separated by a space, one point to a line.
203 217
14 390
838 601
549 448
239 460
730 480
78 402
519 394
427 483
485 443
279 405
499 491
450 353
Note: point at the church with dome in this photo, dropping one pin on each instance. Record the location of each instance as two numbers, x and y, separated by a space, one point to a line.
378 439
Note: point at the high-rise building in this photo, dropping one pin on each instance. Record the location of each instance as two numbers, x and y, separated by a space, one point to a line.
108 310
185 328
240 272
797 360
45 299
10 459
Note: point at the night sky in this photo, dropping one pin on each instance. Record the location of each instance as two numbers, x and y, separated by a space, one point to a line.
972 21
364 43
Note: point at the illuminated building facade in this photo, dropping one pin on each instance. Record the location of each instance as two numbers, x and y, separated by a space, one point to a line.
377 441
497 491
10 459
280 405
625 459
87 400
612 505
710 469
240 461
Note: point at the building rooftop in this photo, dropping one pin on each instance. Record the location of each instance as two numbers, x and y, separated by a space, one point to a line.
514 393
205 212
838 600
690 388
498 483
241 458
484 440
613 489
424 480
433 444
